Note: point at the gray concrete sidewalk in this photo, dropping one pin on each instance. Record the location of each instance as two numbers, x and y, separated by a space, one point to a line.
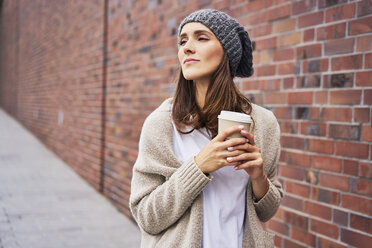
44 204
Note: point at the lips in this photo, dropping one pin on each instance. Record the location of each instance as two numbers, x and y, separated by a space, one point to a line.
190 61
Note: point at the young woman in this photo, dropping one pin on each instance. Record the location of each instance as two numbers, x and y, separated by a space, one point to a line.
192 187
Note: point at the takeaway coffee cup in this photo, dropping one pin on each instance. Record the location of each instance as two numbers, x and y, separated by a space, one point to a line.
228 119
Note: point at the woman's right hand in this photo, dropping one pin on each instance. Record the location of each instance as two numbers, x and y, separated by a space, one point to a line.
216 153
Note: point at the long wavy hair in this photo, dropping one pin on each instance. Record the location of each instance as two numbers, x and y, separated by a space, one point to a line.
222 94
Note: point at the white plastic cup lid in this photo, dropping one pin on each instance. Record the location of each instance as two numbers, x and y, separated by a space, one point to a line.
235 116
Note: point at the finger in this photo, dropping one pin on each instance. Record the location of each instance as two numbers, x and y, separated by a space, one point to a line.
246 147
228 131
234 153
233 142
242 157
248 135
249 164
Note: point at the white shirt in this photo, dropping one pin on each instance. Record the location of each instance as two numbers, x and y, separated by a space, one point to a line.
223 198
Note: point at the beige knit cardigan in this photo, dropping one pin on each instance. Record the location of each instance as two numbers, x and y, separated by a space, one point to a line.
166 196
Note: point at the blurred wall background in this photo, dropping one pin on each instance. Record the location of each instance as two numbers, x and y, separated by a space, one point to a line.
83 76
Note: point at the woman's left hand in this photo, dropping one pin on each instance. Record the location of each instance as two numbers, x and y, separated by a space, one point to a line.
251 161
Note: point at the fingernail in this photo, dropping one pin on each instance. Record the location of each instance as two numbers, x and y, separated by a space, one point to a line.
241 127
247 140
229 159
230 148
236 167
244 131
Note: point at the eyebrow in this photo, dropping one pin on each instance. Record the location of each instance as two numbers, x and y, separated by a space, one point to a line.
196 32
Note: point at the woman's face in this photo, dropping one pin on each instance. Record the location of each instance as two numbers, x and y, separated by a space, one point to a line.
200 52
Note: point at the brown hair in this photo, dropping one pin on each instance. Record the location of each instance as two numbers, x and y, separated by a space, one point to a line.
222 94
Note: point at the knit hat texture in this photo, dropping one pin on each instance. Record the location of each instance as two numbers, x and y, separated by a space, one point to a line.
232 36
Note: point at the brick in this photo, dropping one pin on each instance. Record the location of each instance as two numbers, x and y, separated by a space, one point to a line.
320 146
340 13
355 239
363 78
261 30
256 98
300 97
292 202
362 187
324 228
296 220
339 46
251 84
317 65
351 167
323 242
288 83
262 58
329 3
360 26
310 19
309 51
364 8
266 70
286 68
279 227
350 132
339 80
290 244
345 97
308 35
327 163
362 115
347 62
326 196
288 127
336 114
312 177
292 142
318 210
289 39
368 60
283 112
303 236
313 128
321 97
364 43
364 205
361 223
334 181
340 217
275 98
366 133
297 189
352 149
301 159
279 12
309 81
269 84
278 241
367 97
302 6
283 54
292 172
284 25
267 43
365 170
333 31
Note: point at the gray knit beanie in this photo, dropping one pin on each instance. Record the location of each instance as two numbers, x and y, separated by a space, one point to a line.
232 36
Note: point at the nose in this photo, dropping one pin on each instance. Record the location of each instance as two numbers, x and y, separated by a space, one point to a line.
188 48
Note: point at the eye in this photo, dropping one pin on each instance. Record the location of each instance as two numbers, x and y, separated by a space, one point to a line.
182 42
202 38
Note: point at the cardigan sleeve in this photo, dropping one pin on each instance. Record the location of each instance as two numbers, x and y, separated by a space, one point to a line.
162 189
267 206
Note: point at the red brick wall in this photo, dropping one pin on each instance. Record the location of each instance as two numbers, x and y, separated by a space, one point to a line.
313 68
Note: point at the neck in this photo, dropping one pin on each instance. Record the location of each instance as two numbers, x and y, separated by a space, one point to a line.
201 87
